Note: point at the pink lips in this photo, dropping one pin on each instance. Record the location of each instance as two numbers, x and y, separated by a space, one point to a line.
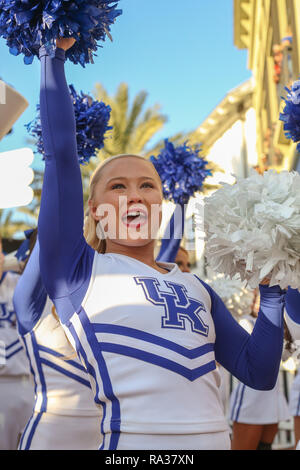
138 221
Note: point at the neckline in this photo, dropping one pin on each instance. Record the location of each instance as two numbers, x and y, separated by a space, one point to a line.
171 267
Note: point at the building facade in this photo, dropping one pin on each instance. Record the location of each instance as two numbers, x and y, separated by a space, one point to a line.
270 31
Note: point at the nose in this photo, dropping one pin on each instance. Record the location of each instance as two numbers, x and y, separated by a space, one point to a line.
134 196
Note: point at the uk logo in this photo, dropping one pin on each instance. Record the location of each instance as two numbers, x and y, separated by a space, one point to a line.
178 306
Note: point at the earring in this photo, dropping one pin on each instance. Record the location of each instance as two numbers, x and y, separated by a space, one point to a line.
100 232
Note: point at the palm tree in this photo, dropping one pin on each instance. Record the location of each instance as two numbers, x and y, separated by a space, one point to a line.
133 127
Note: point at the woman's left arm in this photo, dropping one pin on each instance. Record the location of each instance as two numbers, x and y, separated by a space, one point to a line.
253 359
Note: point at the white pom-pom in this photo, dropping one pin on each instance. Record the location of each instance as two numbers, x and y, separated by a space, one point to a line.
238 299
253 229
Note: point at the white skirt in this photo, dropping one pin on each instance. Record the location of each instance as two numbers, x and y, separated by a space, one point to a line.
47 431
251 406
16 404
209 441
294 400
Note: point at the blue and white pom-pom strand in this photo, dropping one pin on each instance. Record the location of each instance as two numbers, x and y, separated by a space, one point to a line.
92 118
181 170
28 25
291 113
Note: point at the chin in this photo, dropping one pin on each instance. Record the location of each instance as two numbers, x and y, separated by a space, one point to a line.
134 243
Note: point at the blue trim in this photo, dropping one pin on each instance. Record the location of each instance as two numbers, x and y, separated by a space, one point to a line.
236 392
190 374
91 371
3 277
33 429
65 372
13 353
59 355
12 344
40 370
24 432
31 370
115 422
240 403
153 339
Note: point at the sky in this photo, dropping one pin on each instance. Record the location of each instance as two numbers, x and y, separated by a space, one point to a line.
181 52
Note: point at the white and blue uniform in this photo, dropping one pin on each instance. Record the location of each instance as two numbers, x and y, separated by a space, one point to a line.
149 341
251 406
16 386
65 416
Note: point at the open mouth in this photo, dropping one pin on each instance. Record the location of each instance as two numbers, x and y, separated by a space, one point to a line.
135 218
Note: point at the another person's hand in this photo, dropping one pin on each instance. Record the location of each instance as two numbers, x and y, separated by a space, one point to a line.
65 43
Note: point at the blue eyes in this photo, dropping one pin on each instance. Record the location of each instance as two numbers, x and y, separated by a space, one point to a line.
122 186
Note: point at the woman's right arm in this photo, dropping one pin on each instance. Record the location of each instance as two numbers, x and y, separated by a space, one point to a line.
30 295
65 258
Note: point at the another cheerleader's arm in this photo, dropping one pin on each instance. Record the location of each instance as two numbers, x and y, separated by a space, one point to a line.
30 295
171 240
253 359
65 258
292 312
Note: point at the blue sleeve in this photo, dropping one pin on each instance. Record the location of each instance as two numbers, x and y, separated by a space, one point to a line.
292 304
253 359
30 295
172 237
65 258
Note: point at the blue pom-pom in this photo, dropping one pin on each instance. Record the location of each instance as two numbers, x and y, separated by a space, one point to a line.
181 170
291 113
91 118
29 24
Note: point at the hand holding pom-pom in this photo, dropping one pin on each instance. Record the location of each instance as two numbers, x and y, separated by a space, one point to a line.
65 43
28 25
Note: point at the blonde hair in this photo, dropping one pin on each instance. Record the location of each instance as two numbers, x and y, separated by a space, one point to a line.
90 223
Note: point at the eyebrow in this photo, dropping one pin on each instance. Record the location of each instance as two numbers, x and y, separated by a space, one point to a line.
124 178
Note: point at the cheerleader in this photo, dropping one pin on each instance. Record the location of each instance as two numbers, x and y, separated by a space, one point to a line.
64 414
16 386
149 335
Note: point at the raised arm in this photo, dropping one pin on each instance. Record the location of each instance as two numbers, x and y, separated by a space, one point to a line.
64 254
172 237
253 359
30 295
